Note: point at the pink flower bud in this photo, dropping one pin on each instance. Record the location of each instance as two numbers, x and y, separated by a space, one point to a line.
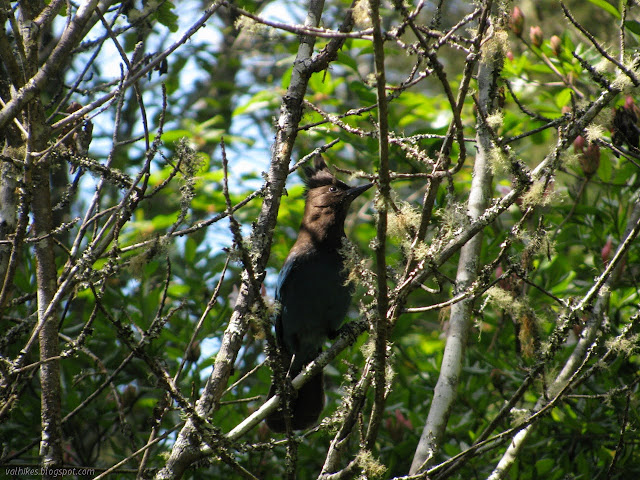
556 45
516 22
605 253
535 35
590 159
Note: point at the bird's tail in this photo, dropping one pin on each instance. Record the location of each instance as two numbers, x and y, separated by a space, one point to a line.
306 405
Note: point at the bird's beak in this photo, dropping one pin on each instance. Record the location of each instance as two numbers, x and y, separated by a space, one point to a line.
354 192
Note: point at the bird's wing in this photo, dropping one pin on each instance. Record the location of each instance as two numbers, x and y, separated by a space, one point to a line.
281 286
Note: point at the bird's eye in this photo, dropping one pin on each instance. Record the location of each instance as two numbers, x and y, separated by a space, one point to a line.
333 189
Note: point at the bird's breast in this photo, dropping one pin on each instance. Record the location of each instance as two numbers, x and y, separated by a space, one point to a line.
314 299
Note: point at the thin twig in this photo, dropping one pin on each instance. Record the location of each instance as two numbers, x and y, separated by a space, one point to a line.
599 47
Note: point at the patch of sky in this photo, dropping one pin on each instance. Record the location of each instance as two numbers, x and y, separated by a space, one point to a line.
244 157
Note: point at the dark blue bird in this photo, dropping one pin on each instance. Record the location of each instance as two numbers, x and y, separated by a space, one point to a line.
312 290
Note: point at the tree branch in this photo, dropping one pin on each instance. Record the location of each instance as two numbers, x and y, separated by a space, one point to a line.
577 359
460 318
380 322
186 448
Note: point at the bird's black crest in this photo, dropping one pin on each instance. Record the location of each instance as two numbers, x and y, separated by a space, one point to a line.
319 175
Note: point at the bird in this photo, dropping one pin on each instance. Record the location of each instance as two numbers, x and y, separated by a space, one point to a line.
312 291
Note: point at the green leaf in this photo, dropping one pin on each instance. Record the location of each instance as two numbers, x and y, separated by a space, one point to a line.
364 93
347 60
605 170
432 345
563 283
563 98
603 4
260 101
175 135
150 268
545 465
190 250
166 16
178 290
160 222
633 26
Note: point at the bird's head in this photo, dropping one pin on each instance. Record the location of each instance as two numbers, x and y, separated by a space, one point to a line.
324 190
327 199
